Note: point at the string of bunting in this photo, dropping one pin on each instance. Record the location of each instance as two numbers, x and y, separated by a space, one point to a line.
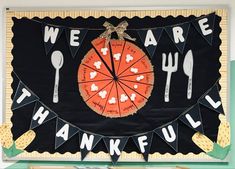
150 37
115 144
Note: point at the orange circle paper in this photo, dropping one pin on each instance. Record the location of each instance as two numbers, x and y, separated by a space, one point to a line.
117 80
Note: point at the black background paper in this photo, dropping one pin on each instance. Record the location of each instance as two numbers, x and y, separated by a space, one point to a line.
34 68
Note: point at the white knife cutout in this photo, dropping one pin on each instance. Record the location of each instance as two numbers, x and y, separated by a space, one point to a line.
188 70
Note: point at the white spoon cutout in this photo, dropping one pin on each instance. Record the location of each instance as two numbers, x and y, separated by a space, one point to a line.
57 61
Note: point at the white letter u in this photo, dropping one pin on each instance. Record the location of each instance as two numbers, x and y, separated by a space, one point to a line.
171 136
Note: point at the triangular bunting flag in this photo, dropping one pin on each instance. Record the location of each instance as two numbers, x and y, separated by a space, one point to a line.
205 26
50 34
115 145
143 142
87 142
74 39
23 96
41 115
192 118
178 34
169 133
64 131
212 100
150 38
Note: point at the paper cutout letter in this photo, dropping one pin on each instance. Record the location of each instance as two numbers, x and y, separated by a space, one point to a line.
87 142
212 102
23 96
143 142
205 26
192 118
212 99
179 34
74 39
64 131
41 115
150 38
115 145
169 134
25 93
50 35
192 122
203 23
74 36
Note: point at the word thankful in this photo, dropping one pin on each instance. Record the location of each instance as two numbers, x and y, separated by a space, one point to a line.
43 113
115 144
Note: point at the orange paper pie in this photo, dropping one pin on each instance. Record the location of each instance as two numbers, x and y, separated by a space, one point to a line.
117 80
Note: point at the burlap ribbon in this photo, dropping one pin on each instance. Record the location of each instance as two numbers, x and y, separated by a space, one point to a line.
119 29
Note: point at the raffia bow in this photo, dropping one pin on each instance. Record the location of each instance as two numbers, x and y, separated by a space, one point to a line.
119 29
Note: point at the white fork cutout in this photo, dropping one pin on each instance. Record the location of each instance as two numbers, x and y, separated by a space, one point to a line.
169 68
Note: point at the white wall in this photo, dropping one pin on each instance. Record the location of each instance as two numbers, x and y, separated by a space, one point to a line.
108 3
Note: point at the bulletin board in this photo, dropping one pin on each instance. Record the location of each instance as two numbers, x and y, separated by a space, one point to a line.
55 18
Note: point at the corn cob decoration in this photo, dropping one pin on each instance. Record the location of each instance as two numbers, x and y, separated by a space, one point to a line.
24 140
6 136
203 142
223 138
10 147
217 150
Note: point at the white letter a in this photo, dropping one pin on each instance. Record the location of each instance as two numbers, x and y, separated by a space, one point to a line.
150 39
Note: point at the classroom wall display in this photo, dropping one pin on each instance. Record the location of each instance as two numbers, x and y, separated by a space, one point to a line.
119 86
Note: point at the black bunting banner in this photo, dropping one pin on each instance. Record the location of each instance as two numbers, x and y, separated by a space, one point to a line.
75 38
144 142
115 145
212 99
193 119
205 26
64 131
50 35
23 96
41 115
150 38
178 34
87 142
169 133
